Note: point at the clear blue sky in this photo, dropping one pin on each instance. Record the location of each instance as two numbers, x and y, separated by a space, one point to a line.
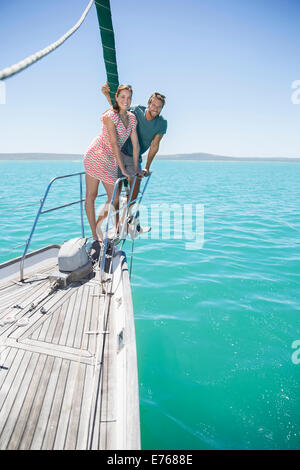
226 67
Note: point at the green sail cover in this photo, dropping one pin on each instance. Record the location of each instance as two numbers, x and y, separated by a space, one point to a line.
108 45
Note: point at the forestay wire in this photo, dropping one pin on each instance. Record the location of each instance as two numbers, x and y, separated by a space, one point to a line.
23 64
108 45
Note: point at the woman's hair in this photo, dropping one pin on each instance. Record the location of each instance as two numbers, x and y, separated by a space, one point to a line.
121 88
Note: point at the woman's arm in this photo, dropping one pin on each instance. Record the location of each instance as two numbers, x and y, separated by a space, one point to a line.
112 135
136 151
105 90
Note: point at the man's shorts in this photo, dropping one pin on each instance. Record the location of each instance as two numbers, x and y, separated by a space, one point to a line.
129 165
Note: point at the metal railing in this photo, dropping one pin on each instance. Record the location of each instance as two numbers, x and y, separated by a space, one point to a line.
41 211
81 201
125 207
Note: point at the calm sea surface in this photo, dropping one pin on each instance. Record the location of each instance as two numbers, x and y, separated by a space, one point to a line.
217 326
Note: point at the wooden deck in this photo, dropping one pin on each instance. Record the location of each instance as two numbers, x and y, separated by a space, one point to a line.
68 378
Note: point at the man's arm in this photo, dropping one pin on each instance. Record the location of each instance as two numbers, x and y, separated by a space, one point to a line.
136 151
152 152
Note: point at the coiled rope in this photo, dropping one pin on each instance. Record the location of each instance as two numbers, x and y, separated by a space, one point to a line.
23 64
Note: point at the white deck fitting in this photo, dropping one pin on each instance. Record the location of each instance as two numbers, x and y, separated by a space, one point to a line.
67 379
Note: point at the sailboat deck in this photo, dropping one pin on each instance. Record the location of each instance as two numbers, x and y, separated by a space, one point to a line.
59 373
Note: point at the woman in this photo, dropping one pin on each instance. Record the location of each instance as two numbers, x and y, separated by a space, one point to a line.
103 156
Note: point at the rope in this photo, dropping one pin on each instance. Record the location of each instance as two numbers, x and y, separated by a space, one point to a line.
12 249
19 207
23 64
99 375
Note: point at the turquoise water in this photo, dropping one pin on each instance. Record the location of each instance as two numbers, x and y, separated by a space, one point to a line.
214 325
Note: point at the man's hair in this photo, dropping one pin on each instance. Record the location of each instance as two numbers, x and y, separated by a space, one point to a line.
159 96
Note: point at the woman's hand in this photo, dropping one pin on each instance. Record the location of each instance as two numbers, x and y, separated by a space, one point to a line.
124 173
139 173
105 89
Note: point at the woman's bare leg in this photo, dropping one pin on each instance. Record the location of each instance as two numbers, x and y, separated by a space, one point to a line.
92 185
135 191
109 188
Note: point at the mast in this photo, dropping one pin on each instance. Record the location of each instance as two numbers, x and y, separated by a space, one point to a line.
108 45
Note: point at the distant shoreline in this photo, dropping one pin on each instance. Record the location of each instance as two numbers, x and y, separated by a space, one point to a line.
182 157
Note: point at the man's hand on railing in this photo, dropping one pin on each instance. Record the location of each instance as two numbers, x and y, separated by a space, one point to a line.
139 173
146 172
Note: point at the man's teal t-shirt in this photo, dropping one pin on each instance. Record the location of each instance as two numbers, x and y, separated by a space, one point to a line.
146 130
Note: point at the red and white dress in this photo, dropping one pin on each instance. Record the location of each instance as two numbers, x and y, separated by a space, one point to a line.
99 160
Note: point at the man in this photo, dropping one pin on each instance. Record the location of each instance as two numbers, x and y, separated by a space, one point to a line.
151 127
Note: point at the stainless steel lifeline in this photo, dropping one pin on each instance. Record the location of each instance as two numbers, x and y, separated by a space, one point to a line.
80 201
